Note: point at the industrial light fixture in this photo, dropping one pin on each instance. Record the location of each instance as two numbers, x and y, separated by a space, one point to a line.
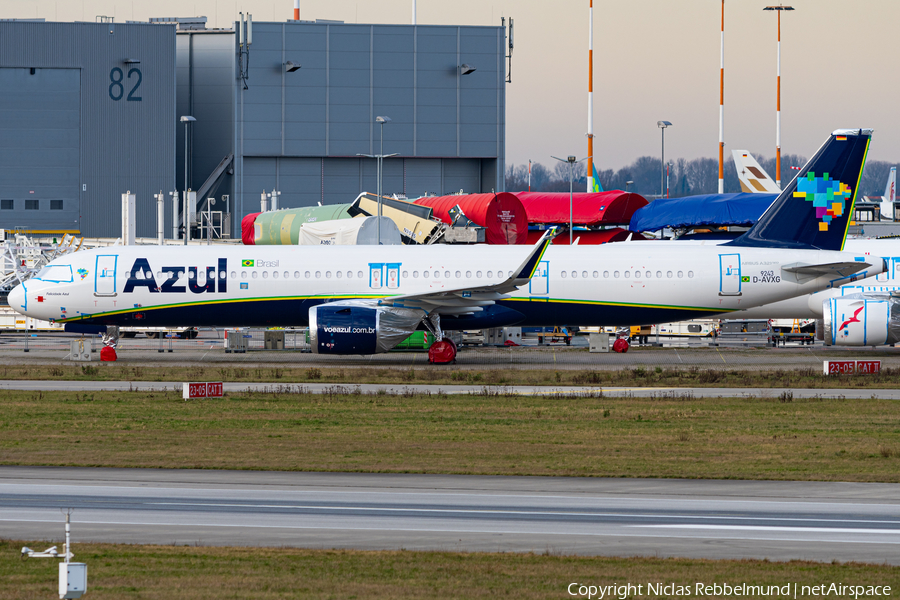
132 61
290 67
465 69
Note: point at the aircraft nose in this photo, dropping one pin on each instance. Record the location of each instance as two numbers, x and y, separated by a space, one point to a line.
16 298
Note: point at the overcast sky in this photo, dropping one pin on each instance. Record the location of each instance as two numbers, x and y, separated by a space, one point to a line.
653 60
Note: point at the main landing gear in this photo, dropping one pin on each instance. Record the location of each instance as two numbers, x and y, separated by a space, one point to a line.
110 341
442 351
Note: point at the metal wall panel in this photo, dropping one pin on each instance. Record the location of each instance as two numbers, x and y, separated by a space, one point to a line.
350 74
127 119
39 149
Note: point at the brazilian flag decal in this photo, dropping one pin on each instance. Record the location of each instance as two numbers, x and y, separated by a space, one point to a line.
246 263
744 279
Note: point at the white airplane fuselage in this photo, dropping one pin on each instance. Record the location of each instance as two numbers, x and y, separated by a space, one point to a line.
232 286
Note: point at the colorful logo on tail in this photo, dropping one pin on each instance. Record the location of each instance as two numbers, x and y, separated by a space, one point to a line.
829 197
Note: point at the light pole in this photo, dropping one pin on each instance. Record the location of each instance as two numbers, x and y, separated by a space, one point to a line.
187 120
380 165
662 164
668 164
778 9
571 162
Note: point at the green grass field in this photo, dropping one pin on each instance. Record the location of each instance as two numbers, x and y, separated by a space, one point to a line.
759 438
197 573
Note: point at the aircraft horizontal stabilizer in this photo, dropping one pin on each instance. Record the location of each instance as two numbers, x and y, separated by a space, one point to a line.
842 269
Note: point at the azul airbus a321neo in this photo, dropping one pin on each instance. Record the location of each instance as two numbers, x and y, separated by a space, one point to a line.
366 299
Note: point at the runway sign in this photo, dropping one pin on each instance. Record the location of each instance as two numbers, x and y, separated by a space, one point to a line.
202 390
845 367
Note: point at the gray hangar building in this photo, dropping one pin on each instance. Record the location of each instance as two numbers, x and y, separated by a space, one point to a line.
263 124
86 114
92 110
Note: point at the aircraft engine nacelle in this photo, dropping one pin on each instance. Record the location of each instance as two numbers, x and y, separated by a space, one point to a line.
359 328
860 321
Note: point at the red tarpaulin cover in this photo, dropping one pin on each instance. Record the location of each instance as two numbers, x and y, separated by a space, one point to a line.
587 238
248 237
502 215
600 208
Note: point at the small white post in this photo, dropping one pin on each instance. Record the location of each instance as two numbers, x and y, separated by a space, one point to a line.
263 202
175 210
128 229
160 218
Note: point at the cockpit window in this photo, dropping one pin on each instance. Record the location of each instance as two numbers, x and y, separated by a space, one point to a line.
56 273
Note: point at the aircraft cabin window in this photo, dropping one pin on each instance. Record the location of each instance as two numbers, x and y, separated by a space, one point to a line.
254 275
490 273
287 275
339 274
574 274
306 274
297 275
627 274
416 274
405 274
274 275
469 274
563 274
478 274
327 274
318 274
605 274
424 274
243 274
447 274
659 274
584 274
359 274
680 274
669 274
458 274
690 273
265 274
616 274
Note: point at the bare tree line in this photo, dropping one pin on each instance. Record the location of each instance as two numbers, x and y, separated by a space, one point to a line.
686 177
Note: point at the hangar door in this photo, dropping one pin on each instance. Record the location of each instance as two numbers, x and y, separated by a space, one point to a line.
40 116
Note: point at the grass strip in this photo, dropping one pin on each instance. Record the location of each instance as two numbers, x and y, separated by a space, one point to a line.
692 376
775 438
200 573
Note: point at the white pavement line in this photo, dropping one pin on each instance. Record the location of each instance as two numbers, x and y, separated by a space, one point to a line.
779 528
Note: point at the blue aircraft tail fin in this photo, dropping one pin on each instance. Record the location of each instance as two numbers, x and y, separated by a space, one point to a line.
815 209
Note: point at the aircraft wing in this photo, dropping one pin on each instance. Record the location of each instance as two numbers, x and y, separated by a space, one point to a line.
471 299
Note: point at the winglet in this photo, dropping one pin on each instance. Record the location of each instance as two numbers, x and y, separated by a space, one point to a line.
526 269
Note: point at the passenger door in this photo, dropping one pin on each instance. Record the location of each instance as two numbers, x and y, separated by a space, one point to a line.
729 274
105 275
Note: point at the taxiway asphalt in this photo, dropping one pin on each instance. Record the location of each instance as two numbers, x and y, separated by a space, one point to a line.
526 390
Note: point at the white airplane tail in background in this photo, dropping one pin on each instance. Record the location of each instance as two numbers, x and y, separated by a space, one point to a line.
890 194
752 176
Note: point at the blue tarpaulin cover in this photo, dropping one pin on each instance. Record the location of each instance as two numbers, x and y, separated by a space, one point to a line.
696 211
